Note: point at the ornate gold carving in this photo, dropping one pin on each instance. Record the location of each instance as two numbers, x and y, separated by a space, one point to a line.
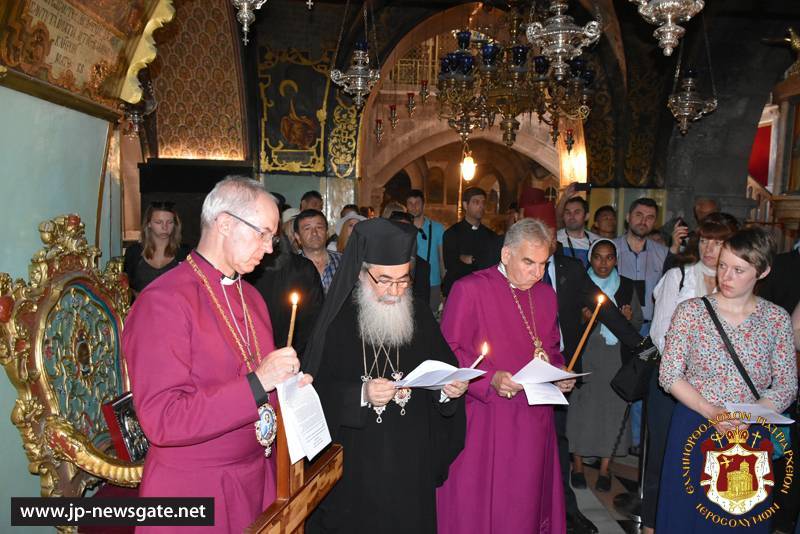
342 150
59 345
278 157
75 448
600 131
145 51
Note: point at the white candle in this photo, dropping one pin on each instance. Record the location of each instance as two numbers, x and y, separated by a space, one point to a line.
294 298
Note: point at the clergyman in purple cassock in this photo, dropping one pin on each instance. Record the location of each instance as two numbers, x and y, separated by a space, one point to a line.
201 358
193 399
507 478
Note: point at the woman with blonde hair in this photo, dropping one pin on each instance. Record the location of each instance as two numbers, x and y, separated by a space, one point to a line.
159 248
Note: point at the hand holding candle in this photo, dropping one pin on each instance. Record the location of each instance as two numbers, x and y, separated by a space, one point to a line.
294 298
600 299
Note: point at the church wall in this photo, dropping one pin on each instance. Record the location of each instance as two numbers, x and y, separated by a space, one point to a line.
712 158
52 159
197 84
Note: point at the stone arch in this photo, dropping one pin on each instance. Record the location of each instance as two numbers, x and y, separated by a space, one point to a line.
412 139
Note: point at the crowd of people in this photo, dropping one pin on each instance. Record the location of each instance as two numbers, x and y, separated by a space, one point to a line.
381 294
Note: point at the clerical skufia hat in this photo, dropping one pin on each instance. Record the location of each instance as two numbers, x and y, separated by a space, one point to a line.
376 241
382 242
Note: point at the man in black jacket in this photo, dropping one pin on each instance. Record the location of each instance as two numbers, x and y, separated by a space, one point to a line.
280 274
575 290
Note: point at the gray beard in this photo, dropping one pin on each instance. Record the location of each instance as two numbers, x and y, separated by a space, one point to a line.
391 325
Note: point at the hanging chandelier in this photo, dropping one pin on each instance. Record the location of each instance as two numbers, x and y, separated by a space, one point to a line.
245 13
358 80
500 81
560 39
665 14
687 104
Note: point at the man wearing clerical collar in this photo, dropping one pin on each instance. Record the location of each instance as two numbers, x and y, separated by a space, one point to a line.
199 348
398 443
507 478
468 245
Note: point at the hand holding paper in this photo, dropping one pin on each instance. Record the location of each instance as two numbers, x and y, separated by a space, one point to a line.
303 419
433 374
536 379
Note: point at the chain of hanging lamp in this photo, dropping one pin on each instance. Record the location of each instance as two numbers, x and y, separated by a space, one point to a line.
358 80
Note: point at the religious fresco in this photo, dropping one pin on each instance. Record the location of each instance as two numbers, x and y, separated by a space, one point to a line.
79 46
292 92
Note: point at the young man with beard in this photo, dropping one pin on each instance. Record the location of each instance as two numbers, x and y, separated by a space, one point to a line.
398 443
641 260
574 237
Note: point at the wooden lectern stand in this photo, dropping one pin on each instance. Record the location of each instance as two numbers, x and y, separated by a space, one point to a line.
300 490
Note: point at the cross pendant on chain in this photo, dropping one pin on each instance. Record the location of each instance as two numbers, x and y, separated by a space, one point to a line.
310 3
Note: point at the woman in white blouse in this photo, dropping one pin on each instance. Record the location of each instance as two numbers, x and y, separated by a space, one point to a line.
694 277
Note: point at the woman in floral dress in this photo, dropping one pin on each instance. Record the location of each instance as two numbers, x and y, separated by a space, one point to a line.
699 372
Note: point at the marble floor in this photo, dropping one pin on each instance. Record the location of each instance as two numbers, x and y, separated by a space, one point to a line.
599 506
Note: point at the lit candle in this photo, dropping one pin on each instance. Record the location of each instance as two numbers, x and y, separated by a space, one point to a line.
600 299
484 351
294 298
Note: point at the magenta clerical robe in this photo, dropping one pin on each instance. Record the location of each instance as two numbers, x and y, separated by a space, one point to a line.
507 478
192 396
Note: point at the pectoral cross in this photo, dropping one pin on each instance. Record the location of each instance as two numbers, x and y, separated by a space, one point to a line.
310 4
756 437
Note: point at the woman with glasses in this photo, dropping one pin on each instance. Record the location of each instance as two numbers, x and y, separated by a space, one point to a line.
159 249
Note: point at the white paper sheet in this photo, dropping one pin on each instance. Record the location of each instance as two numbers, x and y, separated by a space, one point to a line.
758 411
303 419
540 372
544 394
433 374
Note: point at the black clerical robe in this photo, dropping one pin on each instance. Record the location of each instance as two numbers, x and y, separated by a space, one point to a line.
462 240
276 278
391 469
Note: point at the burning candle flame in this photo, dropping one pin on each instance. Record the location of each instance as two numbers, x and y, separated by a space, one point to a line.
484 349
601 299
295 298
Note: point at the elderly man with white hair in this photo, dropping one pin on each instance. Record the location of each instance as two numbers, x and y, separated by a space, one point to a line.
398 442
507 478
199 348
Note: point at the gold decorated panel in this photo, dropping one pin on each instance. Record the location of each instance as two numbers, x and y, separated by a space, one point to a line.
71 49
197 84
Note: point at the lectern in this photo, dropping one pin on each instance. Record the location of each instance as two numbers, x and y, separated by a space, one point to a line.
300 489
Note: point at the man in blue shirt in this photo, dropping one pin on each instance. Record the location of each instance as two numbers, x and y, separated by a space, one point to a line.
641 260
311 229
430 235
